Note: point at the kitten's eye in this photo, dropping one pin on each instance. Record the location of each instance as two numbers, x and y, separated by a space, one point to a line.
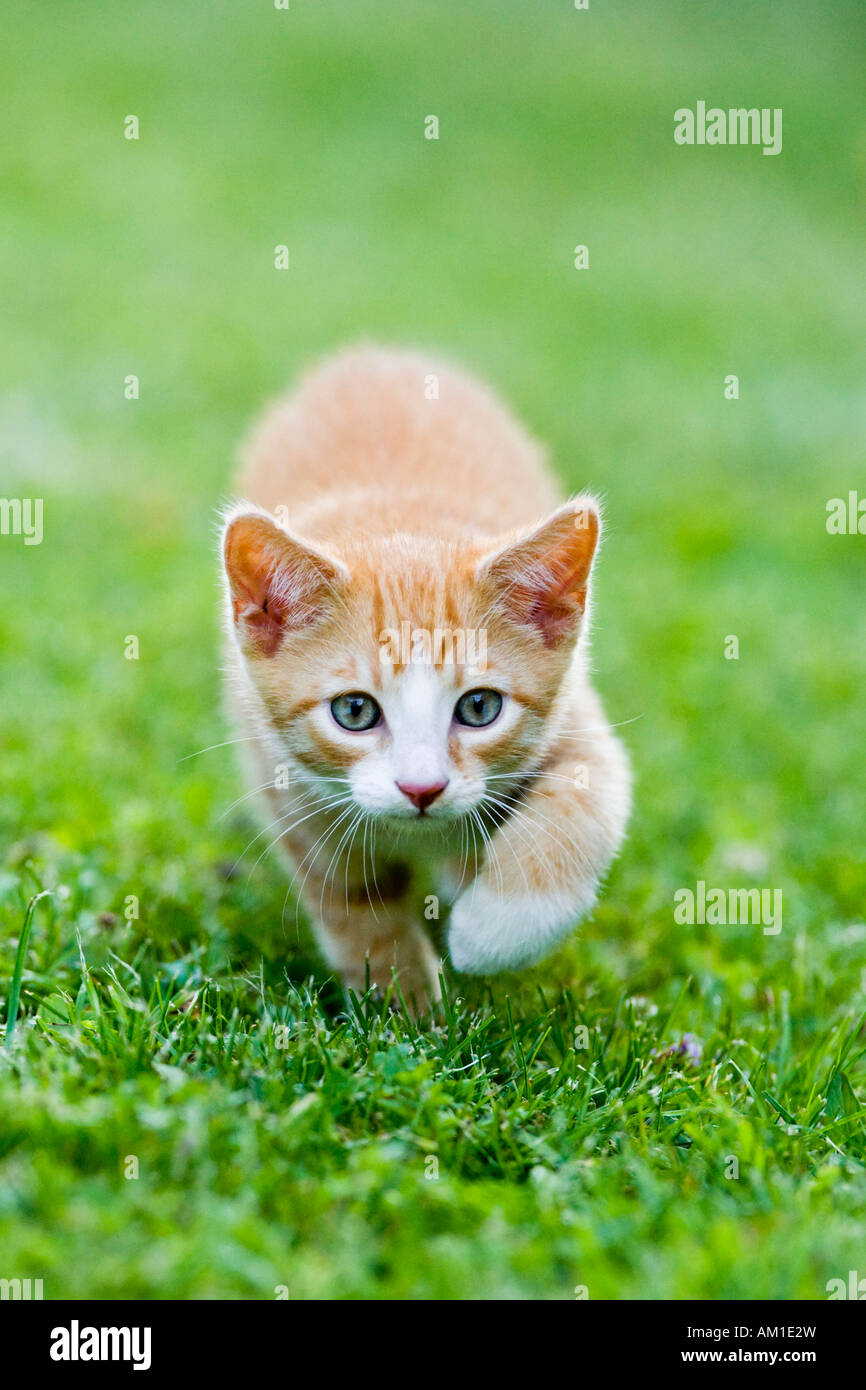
356 711
478 707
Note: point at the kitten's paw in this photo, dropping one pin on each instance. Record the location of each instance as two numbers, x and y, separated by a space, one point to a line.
490 931
421 989
416 972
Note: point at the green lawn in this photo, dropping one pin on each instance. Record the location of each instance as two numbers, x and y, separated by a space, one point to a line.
557 1165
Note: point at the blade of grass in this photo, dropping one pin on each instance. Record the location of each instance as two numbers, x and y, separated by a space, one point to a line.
18 969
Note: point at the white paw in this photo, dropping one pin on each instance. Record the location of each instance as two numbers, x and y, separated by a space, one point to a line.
490 932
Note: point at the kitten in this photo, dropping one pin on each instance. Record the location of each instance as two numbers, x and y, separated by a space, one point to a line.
406 595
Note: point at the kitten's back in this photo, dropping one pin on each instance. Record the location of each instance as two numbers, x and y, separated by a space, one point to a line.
360 442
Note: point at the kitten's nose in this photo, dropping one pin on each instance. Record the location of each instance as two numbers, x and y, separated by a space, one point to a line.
422 796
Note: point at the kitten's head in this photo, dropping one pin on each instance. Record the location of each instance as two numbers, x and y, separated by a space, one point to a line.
422 673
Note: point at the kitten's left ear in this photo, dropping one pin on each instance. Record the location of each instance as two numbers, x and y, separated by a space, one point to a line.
541 579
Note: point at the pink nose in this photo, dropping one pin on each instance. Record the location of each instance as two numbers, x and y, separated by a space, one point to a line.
422 796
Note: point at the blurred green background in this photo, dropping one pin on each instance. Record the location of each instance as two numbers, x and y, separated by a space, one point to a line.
155 257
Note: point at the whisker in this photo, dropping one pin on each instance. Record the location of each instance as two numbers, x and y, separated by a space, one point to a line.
229 742
367 819
530 844
516 778
311 854
519 809
287 830
361 816
284 831
485 838
601 728
246 796
373 837
464 857
512 817
340 844
471 824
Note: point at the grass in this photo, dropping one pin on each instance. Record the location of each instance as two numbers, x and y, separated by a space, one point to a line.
552 1131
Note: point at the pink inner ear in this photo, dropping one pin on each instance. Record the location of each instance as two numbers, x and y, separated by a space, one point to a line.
544 578
274 583
552 608
556 618
263 611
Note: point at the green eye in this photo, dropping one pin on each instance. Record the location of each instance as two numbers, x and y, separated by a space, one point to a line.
478 707
356 711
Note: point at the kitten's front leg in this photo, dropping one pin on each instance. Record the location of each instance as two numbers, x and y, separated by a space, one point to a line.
543 864
364 914
390 940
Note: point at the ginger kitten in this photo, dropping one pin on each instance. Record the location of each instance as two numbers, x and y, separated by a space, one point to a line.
406 596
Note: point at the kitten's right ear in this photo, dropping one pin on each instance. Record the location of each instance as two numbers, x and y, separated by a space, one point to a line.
277 584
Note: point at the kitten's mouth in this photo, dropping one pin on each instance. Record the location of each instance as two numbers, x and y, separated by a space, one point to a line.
425 817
